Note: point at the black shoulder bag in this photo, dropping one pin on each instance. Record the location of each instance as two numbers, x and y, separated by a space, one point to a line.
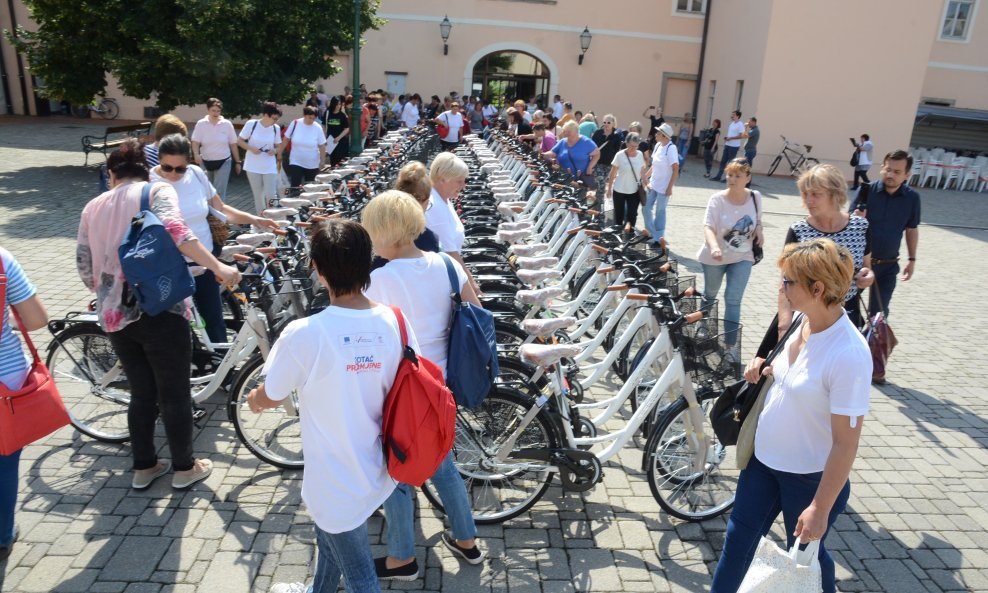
756 250
734 404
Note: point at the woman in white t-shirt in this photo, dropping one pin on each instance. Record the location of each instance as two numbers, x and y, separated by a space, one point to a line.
731 227
341 382
454 119
418 283
261 138
809 427
410 114
308 152
448 174
196 197
623 182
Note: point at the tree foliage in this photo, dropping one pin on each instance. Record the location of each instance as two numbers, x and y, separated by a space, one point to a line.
183 51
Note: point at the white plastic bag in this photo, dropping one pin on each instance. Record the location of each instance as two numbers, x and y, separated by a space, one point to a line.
773 570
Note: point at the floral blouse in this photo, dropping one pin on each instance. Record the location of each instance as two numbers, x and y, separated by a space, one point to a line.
105 221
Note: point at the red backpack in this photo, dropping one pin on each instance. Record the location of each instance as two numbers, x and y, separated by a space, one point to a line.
419 417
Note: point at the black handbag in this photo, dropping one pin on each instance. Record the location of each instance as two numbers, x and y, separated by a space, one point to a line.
854 158
756 250
734 404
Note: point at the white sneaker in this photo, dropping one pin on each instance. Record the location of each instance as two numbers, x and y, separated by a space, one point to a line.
289 588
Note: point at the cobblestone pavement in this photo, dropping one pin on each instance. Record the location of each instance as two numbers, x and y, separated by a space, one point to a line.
917 520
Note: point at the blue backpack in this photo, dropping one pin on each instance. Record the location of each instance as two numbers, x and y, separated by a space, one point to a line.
151 262
471 360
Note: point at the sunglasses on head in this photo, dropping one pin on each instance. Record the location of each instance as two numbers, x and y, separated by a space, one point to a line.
181 169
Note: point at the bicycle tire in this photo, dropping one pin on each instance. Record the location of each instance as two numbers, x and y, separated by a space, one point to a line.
684 494
233 312
273 436
774 165
508 337
78 366
501 496
517 374
108 109
81 111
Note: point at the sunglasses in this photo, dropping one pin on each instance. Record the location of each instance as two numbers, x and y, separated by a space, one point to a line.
181 169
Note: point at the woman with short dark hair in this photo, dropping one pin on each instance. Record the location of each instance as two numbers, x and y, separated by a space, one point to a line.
338 128
261 138
308 153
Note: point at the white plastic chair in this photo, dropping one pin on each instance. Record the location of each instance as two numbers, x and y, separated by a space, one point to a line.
953 172
971 175
917 171
936 154
932 171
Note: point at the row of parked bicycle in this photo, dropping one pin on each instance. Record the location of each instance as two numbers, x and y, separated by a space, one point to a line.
577 306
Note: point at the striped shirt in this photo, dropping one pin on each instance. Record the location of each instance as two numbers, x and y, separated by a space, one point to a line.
13 361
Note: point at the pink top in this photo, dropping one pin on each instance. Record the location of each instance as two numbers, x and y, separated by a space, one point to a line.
548 141
214 139
104 223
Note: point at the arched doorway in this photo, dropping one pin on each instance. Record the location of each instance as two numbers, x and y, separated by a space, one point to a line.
505 75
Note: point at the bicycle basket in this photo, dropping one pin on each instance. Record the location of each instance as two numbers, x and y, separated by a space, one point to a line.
706 354
675 284
693 304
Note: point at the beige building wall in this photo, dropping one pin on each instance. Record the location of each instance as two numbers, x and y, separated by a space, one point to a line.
958 70
815 87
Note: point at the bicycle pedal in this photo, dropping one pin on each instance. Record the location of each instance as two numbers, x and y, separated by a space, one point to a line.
198 415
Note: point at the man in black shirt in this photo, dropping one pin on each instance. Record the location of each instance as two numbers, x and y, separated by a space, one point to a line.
656 119
892 209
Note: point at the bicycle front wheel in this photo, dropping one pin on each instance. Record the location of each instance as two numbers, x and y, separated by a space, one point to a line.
108 109
680 489
91 382
80 111
774 165
499 491
273 436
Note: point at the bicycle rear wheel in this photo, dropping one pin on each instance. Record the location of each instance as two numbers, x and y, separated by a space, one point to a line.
108 109
669 455
273 436
91 382
499 491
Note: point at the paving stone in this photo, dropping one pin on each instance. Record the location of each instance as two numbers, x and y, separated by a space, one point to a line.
135 559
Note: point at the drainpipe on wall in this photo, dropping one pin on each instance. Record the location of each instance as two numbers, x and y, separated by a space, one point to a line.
20 59
703 53
6 87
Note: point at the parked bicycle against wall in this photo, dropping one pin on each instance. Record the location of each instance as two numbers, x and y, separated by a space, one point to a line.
107 108
798 161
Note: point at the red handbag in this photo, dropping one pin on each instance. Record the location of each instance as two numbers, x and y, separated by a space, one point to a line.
35 410
881 340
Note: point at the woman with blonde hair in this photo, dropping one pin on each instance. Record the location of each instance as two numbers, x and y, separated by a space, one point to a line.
448 175
418 283
166 125
809 423
824 192
576 154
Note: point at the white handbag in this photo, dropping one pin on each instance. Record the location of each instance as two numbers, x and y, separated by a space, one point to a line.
773 570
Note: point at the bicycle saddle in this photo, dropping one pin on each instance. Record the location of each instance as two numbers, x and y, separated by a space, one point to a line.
254 239
509 209
537 263
279 213
294 203
512 237
515 226
317 187
315 196
528 250
549 354
808 147
228 251
542 328
539 296
533 277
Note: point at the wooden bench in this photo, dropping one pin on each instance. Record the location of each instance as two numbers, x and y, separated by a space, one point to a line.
113 137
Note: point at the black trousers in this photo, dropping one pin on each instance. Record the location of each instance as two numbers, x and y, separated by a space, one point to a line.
626 208
156 354
297 174
861 174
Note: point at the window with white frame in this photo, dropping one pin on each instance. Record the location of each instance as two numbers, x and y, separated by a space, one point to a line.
691 6
957 18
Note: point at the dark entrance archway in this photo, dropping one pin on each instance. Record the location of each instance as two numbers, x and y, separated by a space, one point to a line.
503 76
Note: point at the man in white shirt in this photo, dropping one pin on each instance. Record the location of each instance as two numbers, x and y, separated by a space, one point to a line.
863 149
410 114
557 107
732 143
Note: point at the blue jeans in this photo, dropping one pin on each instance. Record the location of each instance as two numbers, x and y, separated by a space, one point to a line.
346 554
8 495
737 280
654 214
762 494
682 146
399 510
210 306
729 153
885 278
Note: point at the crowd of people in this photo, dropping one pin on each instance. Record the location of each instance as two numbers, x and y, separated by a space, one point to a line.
808 429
